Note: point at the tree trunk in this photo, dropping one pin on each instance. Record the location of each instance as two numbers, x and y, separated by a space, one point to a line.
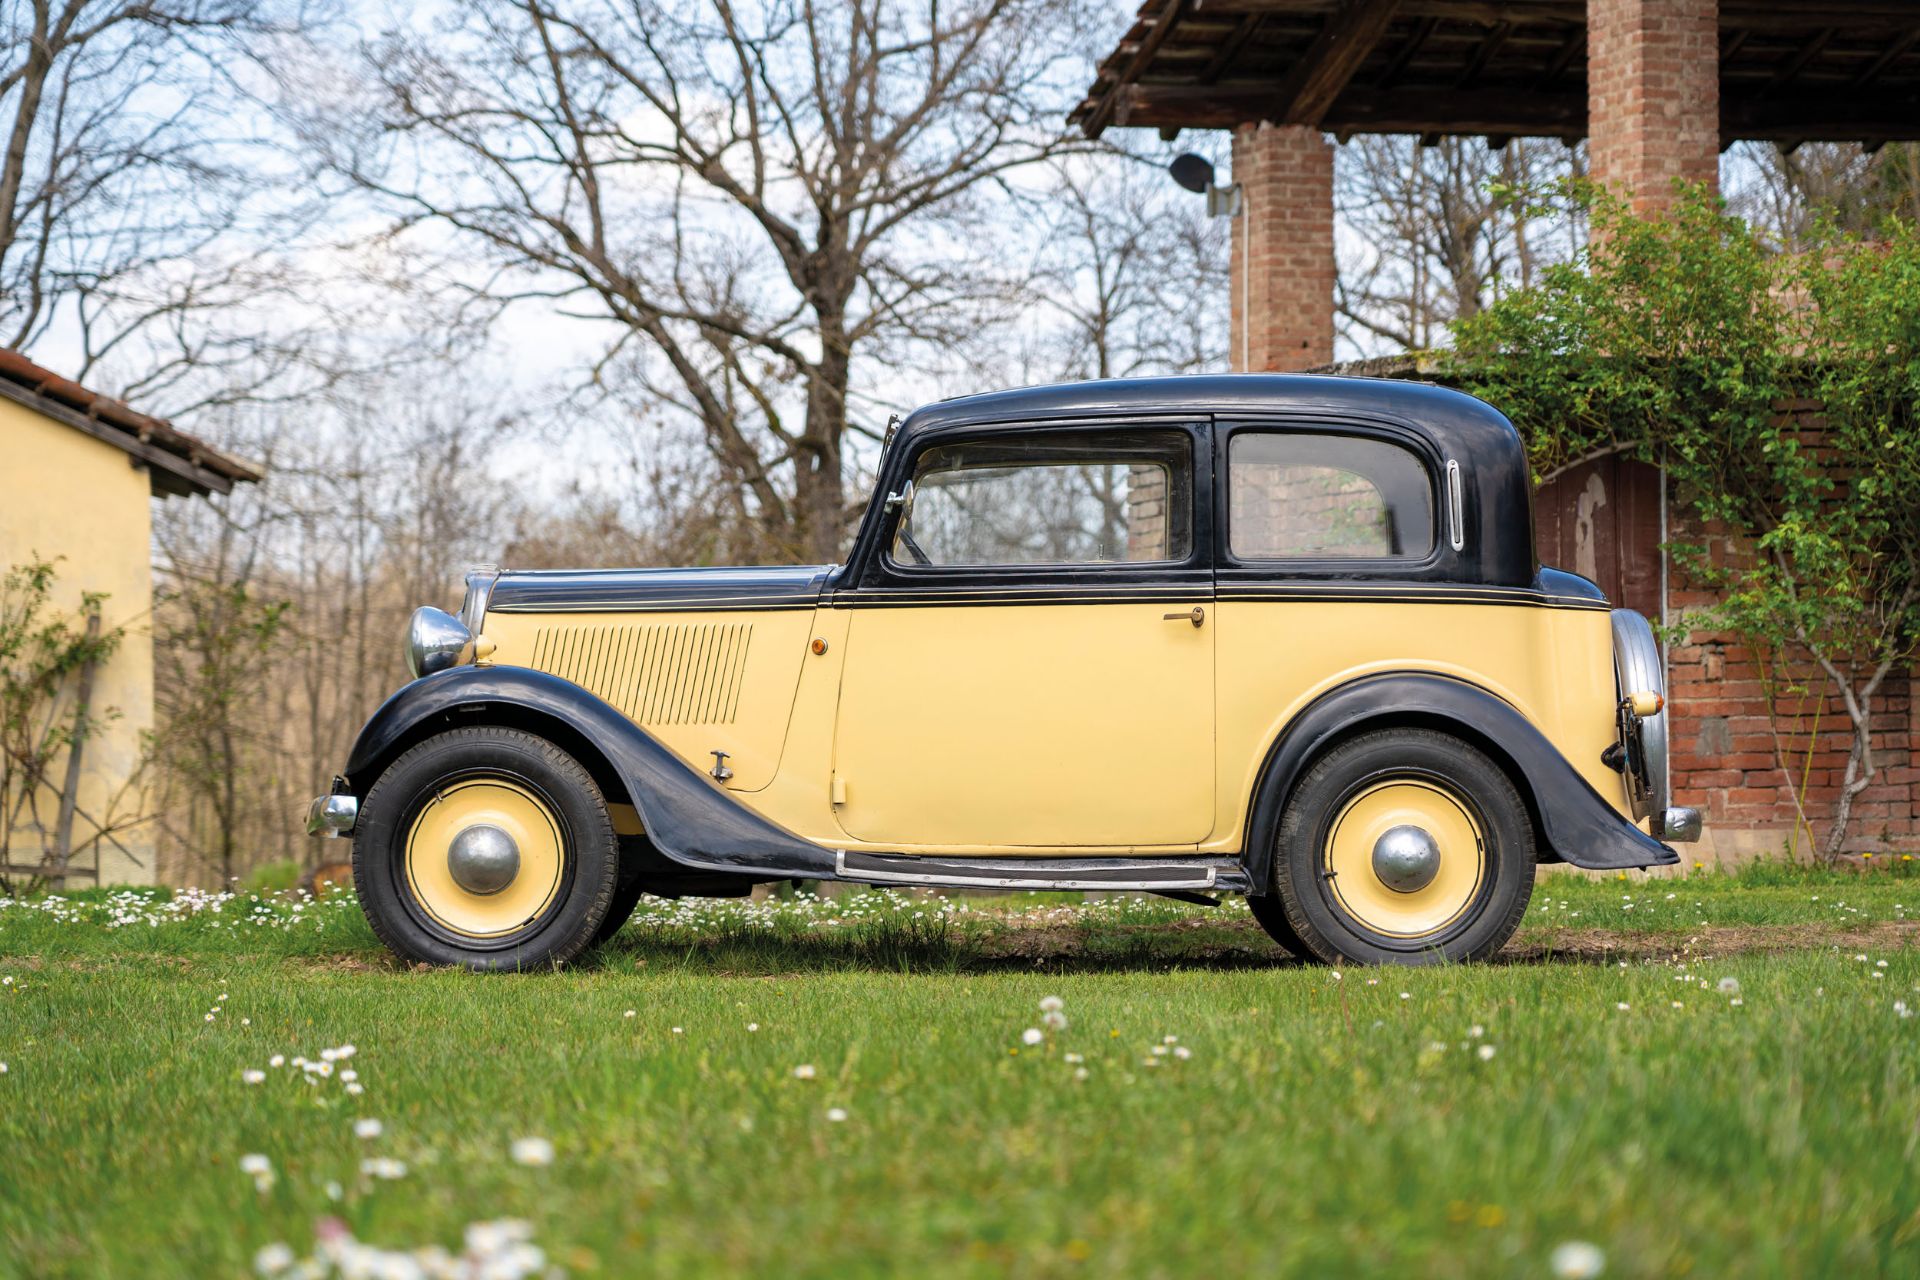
70 792
819 485
1860 767
1859 776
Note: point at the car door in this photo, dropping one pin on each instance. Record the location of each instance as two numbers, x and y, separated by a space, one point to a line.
1030 651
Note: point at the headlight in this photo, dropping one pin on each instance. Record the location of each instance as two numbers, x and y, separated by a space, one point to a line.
436 640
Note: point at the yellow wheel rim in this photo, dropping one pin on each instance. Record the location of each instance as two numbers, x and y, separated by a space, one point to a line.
478 812
1392 818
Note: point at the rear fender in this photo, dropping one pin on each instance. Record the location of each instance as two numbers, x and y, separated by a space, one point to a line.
1572 822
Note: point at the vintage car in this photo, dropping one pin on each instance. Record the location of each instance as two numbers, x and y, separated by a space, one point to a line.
1274 635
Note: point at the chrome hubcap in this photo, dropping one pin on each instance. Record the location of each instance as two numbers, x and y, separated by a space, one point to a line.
1406 859
483 859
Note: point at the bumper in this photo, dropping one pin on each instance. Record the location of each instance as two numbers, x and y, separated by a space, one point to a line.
332 816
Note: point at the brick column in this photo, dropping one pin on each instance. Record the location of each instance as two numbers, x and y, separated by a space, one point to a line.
1653 96
1283 268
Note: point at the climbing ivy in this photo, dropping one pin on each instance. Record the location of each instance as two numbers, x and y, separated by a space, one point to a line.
1683 340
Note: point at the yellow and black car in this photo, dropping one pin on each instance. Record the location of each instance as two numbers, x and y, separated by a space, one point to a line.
1274 635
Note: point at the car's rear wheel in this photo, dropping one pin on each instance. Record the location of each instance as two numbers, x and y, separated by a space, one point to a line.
486 847
1404 846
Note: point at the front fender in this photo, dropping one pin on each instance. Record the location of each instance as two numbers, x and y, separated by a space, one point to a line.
1573 821
687 816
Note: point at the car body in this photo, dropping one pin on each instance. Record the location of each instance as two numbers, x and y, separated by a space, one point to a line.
1271 634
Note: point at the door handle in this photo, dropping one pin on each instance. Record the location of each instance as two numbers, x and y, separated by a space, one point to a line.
1196 616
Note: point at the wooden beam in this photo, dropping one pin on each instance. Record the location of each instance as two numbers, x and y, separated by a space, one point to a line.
1416 111
1484 12
1329 63
1820 117
1109 106
1408 48
1563 59
1855 17
1806 53
1230 47
1886 58
1478 63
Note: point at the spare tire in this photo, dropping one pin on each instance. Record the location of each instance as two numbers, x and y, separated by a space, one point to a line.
1639 668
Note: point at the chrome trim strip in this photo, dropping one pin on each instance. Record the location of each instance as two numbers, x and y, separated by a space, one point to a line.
1456 519
480 581
877 875
739 604
908 597
902 598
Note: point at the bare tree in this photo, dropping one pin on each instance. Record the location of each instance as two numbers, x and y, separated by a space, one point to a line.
1784 191
1131 277
126 182
754 195
281 608
1430 233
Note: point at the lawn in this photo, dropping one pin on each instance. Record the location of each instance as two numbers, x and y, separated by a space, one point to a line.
1710 1076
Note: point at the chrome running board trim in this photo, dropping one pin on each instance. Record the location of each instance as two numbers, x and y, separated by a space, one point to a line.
1147 877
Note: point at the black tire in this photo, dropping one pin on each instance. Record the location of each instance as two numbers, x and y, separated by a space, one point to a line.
626 896
1271 914
589 862
1317 911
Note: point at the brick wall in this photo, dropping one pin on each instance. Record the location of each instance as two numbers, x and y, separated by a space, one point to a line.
1147 513
1653 95
1727 753
1283 264
1282 509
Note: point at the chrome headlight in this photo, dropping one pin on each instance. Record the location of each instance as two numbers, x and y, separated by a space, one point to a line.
436 640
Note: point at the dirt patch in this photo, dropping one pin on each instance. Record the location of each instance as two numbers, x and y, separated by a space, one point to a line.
1536 945
349 962
1229 945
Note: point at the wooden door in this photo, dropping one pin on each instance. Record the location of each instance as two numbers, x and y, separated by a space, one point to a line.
1601 520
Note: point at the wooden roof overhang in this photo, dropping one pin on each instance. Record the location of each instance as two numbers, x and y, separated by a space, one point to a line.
1831 70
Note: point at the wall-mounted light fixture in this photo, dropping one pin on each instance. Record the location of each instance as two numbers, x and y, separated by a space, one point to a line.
1195 173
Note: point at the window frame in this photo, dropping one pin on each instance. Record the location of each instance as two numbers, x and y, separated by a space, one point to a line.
880 570
1247 568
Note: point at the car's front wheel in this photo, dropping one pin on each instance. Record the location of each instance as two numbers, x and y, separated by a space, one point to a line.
1404 846
486 847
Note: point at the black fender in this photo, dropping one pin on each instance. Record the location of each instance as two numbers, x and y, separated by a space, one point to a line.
688 817
1571 820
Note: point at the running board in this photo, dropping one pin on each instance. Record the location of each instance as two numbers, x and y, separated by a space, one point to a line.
1044 874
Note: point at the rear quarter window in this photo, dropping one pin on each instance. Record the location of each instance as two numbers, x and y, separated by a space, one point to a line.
1305 496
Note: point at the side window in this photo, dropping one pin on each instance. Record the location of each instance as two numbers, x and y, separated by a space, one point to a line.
1293 495
1051 498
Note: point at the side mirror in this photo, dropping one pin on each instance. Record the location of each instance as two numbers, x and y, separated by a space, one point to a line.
903 500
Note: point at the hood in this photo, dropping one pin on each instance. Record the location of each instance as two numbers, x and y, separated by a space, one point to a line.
681 590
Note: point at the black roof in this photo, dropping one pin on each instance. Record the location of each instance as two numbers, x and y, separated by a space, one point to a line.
1460 428
1449 417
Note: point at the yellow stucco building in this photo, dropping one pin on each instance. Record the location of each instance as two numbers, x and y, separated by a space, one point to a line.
80 474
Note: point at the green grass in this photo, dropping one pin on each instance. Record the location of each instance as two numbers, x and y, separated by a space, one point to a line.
1321 1125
